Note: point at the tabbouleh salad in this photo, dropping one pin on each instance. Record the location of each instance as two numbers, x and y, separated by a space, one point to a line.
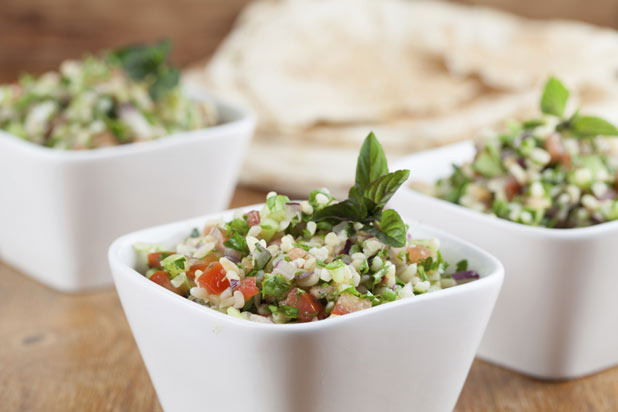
124 96
309 260
556 171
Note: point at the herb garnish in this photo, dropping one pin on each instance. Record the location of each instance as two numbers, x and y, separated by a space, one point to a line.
366 200
553 103
149 63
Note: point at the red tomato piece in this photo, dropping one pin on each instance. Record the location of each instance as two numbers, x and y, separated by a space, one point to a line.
248 287
202 265
213 279
511 188
308 307
162 278
253 218
347 303
155 258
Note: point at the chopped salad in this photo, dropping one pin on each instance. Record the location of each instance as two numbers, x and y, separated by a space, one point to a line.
293 262
124 96
556 171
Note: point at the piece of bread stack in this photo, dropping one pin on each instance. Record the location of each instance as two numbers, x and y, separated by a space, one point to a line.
321 74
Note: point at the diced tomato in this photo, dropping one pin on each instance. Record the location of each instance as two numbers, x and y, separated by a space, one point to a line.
155 258
213 279
202 265
248 288
418 253
347 303
253 218
557 151
308 307
162 278
511 188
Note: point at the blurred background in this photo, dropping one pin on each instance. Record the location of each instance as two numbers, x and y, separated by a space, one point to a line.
321 74
36 35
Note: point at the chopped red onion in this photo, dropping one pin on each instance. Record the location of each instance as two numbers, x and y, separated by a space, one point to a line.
303 275
232 254
465 275
610 194
234 283
346 248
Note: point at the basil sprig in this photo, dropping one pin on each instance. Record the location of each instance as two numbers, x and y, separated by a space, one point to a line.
373 188
149 62
553 103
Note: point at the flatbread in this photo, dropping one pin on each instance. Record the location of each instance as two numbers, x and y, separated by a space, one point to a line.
321 74
513 53
306 64
325 155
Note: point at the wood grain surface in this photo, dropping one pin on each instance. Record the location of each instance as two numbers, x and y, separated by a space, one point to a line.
35 35
62 352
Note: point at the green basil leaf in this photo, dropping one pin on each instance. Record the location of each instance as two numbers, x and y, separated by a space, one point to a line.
349 209
390 229
590 126
356 193
166 79
139 61
554 98
371 162
382 189
488 162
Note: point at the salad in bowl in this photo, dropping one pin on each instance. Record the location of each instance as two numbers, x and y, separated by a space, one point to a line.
299 296
300 261
541 196
555 171
123 96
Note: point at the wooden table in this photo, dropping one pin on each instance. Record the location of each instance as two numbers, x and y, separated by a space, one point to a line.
62 352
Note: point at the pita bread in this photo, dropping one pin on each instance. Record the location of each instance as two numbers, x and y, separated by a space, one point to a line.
321 74
513 53
309 65
326 155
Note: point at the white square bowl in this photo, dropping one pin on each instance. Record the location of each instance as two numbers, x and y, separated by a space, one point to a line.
557 314
412 354
60 210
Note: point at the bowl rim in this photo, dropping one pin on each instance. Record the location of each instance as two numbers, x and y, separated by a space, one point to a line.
556 233
239 118
120 268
